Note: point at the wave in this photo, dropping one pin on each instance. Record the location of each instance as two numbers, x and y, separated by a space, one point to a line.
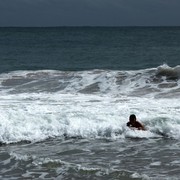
162 81
36 105
36 118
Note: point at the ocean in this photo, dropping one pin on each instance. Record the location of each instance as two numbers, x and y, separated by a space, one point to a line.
66 94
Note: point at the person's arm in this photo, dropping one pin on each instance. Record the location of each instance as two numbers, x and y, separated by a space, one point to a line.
140 126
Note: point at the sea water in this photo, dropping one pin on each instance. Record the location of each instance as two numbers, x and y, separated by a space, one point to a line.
66 96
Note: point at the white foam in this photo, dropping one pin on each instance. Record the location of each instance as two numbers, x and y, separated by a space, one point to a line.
157 163
155 82
41 113
20 157
142 176
35 117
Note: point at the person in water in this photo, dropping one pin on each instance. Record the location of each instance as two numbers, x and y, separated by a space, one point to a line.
133 123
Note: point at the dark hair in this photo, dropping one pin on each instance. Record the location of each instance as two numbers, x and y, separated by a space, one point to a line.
132 117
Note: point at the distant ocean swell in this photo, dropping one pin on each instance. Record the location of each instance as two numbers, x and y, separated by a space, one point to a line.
36 105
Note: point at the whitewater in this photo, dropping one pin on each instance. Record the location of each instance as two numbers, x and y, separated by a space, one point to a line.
36 105
72 124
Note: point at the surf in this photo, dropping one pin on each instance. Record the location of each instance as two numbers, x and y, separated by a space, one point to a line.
37 105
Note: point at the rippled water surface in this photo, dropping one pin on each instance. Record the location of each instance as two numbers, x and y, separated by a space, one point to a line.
74 158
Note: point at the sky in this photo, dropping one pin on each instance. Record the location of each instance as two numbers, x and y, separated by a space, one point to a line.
89 13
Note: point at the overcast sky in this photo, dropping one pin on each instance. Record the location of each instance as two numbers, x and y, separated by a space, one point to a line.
89 12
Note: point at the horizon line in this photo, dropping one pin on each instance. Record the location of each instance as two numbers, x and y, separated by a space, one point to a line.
92 26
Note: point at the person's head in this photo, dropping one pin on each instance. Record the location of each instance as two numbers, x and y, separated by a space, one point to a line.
132 118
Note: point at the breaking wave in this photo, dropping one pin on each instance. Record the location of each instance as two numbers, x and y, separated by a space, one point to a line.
36 105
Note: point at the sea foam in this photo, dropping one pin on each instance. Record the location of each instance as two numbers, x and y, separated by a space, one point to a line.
36 105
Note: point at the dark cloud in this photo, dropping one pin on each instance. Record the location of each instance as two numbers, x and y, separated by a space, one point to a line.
89 12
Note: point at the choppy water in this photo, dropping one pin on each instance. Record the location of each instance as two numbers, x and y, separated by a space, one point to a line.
71 124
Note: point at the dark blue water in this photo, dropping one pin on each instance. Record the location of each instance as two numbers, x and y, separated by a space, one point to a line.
82 48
